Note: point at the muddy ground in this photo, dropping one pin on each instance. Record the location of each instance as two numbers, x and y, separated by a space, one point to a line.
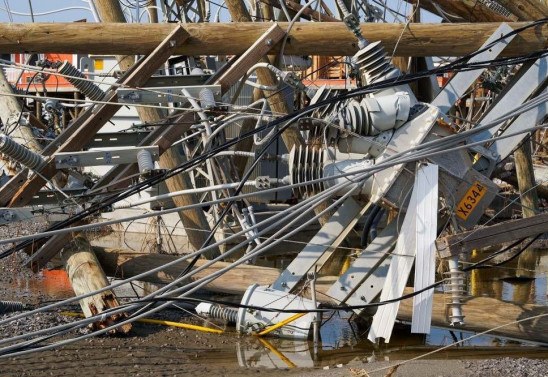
152 350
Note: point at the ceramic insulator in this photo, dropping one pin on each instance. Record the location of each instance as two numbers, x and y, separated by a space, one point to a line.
88 88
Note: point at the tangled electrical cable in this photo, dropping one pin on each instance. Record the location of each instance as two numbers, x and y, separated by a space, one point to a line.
196 284
420 152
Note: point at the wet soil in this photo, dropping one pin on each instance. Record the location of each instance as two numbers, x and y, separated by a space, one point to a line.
152 350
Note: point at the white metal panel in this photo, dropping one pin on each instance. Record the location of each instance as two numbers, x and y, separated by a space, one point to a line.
329 237
523 86
425 258
457 86
398 273
355 287
503 147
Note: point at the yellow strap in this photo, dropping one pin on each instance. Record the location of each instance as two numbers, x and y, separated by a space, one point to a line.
280 324
162 322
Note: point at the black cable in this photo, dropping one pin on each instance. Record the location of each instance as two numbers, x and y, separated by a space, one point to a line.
325 307
481 264
367 225
107 202
16 124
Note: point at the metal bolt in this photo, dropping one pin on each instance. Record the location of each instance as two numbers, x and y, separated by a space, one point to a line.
269 42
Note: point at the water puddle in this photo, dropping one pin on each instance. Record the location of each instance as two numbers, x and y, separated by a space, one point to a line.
47 285
522 281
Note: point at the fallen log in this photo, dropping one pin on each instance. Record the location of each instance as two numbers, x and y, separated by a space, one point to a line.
416 39
482 313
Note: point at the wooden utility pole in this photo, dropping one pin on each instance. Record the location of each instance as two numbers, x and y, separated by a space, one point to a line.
194 221
482 313
526 179
464 10
276 100
111 11
86 276
152 11
11 114
529 202
526 10
307 38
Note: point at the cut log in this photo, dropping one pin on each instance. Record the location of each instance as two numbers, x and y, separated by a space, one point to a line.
482 313
235 38
86 275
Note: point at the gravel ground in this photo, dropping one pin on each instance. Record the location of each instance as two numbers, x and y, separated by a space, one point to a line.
165 351
508 367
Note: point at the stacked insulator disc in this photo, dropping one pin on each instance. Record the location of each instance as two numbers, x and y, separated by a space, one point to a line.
89 89
374 64
305 165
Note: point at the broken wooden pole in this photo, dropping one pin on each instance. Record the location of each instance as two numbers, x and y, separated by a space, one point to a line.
86 275
194 221
529 201
125 263
482 313
235 38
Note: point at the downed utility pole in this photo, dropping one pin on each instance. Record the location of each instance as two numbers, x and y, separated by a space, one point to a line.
483 312
194 221
235 38
86 275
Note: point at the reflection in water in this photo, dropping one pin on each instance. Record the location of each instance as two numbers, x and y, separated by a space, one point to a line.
522 280
342 340
53 284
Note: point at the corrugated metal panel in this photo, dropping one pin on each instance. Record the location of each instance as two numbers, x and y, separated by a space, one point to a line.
398 273
425 259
